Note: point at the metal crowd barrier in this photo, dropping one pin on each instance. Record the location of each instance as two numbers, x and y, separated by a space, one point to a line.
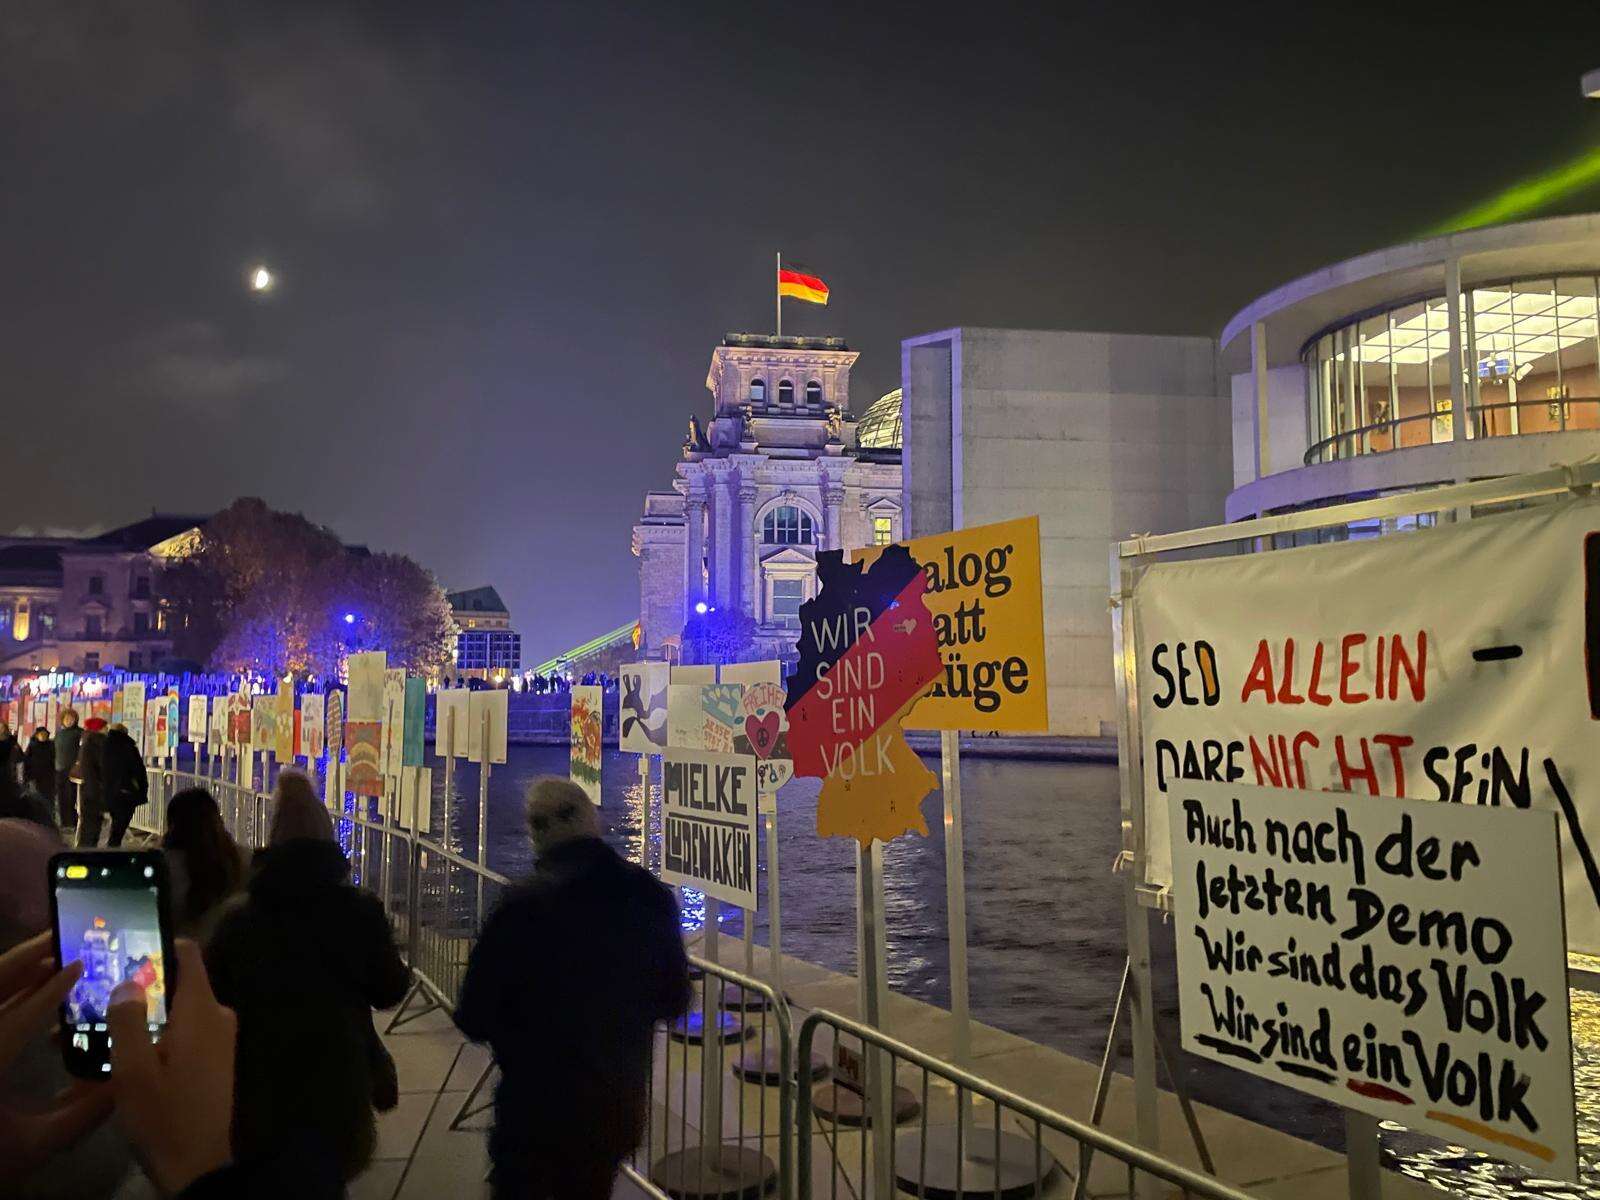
955 1134
778 1104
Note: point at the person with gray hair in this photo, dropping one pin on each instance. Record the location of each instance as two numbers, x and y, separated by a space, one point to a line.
568 979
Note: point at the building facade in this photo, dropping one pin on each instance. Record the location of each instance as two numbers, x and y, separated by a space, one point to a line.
1347 383
86 604
780 470
486 645
1101 436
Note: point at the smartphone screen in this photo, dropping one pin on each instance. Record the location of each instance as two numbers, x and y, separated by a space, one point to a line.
110 912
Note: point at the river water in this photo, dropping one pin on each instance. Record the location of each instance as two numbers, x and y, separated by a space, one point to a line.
1045 931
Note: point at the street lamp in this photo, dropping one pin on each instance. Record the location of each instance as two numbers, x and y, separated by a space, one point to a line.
1591 84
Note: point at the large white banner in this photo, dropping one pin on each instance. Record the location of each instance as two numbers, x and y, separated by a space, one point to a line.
1392 956
1458 664
708 831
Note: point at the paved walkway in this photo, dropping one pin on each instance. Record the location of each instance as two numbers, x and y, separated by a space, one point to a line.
420 1156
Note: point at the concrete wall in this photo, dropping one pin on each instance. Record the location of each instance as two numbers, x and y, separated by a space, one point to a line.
1286 422
1101 435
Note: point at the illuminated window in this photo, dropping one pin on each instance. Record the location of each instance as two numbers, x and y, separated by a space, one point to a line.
882 530
787 525
97 585
758 390
813 392
786 393
787 596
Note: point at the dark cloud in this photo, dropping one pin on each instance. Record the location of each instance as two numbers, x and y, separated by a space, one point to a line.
190 364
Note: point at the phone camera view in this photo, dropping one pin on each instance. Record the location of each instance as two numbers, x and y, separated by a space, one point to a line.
108 918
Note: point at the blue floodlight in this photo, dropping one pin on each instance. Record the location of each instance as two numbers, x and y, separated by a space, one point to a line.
700 607
349 618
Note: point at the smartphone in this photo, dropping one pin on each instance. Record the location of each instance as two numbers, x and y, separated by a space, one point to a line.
111 912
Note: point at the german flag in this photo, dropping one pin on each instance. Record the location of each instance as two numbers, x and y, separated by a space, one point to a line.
802 285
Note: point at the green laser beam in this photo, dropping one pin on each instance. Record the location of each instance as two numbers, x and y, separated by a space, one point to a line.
1522 199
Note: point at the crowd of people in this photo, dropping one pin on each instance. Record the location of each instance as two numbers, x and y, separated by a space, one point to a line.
75 779
270 1073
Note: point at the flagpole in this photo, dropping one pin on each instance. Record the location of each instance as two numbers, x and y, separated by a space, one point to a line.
778 292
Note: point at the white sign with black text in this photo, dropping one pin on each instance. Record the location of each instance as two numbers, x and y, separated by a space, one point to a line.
708 831
1400 957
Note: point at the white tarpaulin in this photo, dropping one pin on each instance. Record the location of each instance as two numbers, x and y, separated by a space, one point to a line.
1459 664
1397 957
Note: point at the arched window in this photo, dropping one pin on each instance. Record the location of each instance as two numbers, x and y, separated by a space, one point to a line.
813 392
787 525
758 390
786 392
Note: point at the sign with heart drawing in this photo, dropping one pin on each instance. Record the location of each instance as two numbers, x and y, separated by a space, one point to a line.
765 723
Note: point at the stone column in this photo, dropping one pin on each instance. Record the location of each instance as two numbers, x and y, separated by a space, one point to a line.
745 544
694 519
722 544
832 531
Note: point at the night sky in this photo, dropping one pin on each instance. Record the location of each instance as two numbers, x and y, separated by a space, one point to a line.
509 237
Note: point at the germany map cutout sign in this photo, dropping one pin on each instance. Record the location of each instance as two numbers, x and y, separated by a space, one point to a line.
868 652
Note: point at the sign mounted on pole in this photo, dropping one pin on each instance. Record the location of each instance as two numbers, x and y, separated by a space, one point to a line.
363 729
333 724
311 726
1397 957
986 597
264 724
446 702
766 724
1334 667
868 652
708 831
283 727
416 720
497 704
586 722
642 707
199 725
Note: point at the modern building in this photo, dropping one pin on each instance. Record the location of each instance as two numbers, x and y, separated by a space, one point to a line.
778 471
85 604
486 645
1346 383
1099 435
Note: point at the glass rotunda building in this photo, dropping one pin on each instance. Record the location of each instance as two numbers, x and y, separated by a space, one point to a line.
1461 357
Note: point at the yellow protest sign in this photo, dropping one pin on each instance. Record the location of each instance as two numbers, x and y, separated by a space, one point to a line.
986 595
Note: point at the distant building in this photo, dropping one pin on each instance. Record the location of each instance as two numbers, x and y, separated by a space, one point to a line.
781 470
85 604
486 647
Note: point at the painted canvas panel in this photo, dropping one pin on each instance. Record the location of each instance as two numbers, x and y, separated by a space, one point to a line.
132 711
416 719
333 725
170 726
263 724
283 726
392 752
311 727
199 719
363 744
154 741
240 711
587 722
365 672
642 707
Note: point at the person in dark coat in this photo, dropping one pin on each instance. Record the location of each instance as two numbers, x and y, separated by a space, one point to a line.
304 960
10 751
122 781
39 762
566 984
90 773
68 738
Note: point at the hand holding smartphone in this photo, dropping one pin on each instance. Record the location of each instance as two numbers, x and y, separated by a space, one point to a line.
111 912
